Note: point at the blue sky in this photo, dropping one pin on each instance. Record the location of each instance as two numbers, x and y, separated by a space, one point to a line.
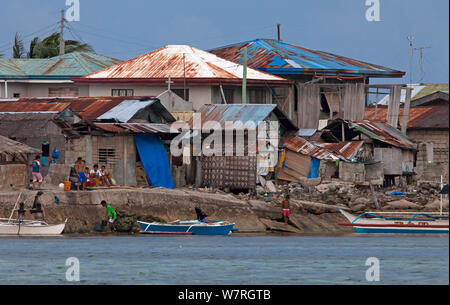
126 29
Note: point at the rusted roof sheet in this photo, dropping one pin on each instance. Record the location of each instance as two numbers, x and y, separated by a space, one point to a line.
419 117
241 115
137 128
304 147
383 132
86 107
277 57
59 67
20 106
178 62
347 150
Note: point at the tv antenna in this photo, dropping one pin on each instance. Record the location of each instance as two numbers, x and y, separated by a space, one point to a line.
420 49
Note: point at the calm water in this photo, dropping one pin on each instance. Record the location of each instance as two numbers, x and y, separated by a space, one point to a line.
225 260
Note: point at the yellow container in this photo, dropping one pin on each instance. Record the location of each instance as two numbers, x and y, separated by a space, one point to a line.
67 186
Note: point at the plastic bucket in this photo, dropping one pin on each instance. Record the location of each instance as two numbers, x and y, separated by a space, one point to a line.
66 186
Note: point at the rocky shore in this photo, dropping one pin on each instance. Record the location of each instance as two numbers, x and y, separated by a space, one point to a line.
313 206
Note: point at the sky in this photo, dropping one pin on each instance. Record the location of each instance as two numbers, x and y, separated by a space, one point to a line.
126 29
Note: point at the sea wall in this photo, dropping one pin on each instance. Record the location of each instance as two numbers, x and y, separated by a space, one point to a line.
83 209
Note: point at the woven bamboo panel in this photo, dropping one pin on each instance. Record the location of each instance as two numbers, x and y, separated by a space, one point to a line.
231 171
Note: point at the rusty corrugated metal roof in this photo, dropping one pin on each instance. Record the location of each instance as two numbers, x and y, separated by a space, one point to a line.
19 106
419 117
278 57
137 128
178 61
304 147
383 132
86 107
346 150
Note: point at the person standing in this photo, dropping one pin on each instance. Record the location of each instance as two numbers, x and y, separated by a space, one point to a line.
36 172
80 168
111 216
286 209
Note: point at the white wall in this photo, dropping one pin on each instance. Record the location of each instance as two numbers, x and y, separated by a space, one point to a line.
198 95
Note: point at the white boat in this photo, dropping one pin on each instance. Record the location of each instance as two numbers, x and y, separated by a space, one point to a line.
397 222
22 227
30 227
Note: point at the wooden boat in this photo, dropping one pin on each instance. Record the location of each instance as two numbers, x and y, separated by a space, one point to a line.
188 227
397 222
22 227
29 227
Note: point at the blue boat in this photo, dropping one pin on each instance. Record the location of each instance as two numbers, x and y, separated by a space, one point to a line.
188 227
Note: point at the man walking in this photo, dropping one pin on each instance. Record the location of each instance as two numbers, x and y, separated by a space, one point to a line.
111 216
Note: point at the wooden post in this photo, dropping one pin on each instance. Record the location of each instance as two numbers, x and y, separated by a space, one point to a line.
343 132
375 200
244 78
405 116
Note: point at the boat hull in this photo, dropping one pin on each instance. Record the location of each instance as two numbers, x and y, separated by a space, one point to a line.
31 230
395 226
193 228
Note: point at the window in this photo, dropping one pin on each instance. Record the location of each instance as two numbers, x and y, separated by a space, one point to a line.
16 95
106 155
180 93
228 96
63 91
122 92
257 96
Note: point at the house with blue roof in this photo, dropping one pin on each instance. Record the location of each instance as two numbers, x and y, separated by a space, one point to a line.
321 79
48 77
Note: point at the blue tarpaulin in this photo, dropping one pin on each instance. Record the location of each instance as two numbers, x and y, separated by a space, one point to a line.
314 168
154 159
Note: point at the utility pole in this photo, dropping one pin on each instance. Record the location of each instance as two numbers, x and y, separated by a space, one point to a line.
61 32
410 38
420 49
278 30
184 71
244 78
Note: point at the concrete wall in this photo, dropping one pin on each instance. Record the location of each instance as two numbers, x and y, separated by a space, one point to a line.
33 89
122 165
396 161
439 164
198 95
13 176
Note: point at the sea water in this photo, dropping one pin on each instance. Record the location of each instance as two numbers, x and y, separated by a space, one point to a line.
237 259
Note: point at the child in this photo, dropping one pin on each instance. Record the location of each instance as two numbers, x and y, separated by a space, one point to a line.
36 172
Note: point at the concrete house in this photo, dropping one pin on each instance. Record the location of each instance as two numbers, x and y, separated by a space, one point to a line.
48 77
428 126
196 76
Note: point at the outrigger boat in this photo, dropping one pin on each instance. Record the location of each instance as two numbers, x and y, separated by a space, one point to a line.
22 227
397 222
189 227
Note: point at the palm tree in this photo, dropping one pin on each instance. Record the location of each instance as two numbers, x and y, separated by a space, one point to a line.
18 49
48 47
